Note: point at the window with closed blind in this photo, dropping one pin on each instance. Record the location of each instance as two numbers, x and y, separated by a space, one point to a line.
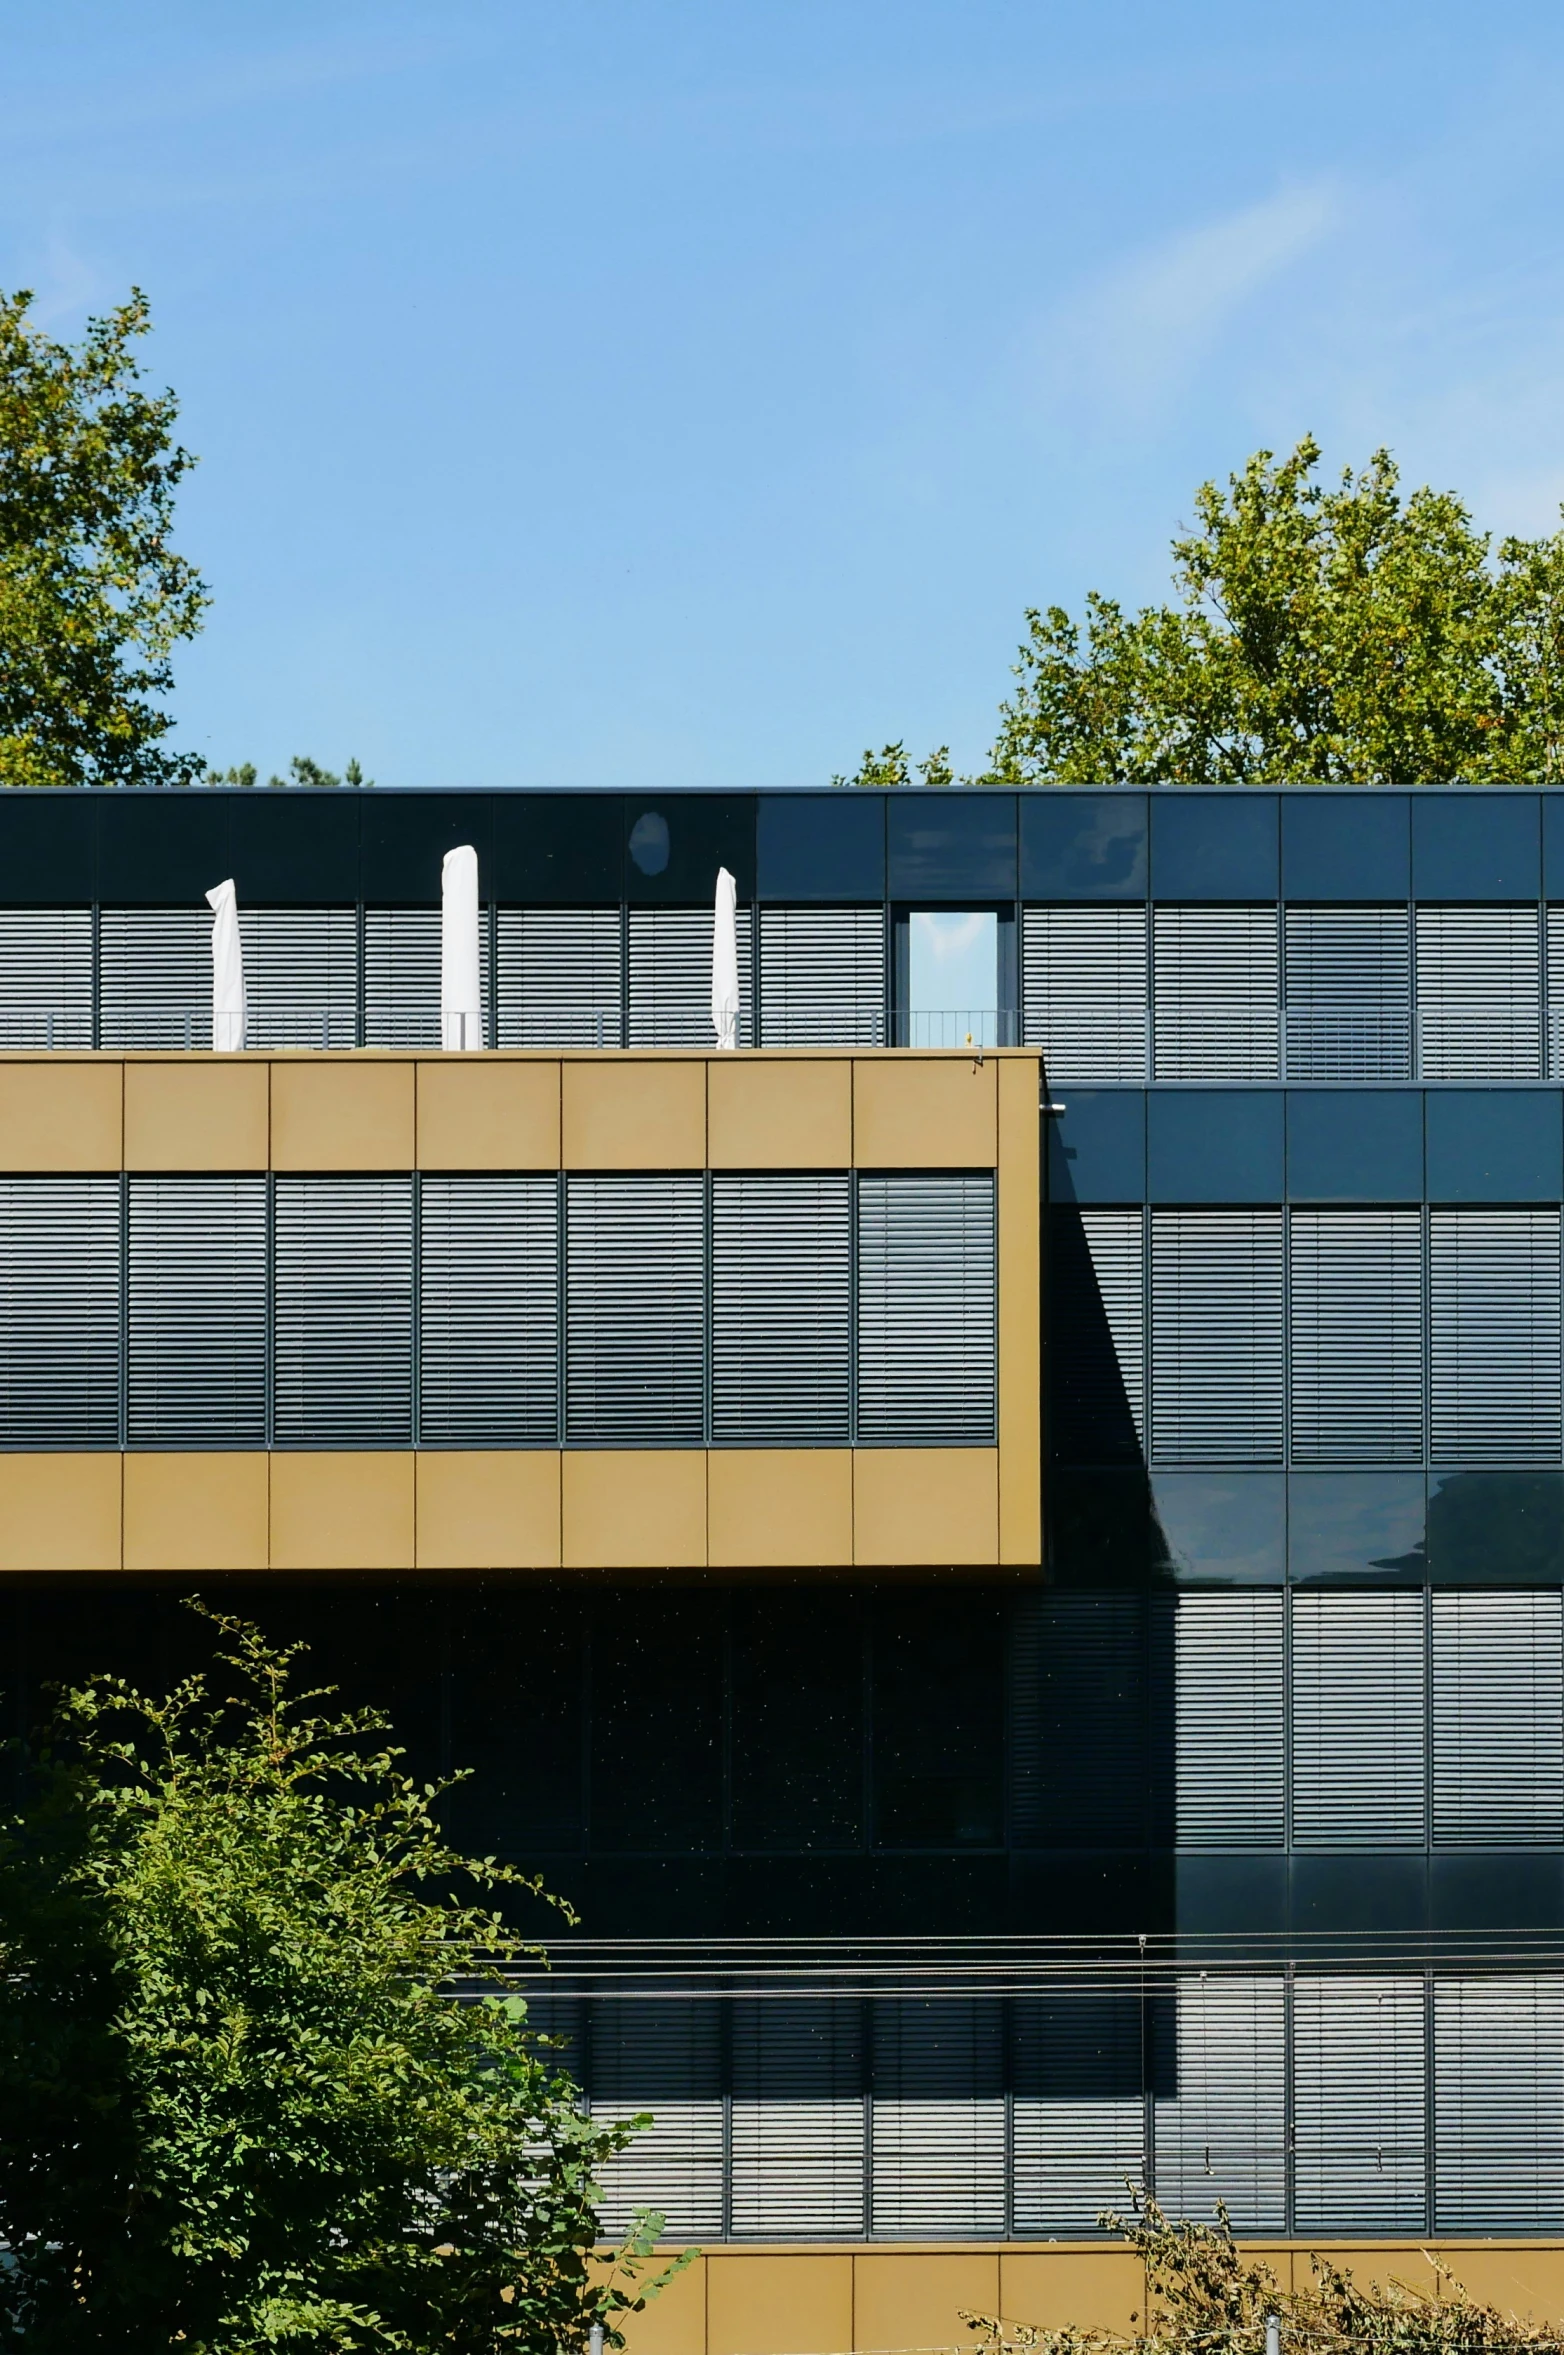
926 1310
1555 962
670 977
939 2118
300 976
1359 1720
1359 2103
197 1312
59 1312
1356 1280
1084 991
1347 988
46 977
1222 2135
822 977
1078 2129
1231 1728
797 2124
561 977
1216 992
1217 1327
1091 1724
781 1262
1097 1316
635 1311
155 977
1494 1333
666 2058
488 1312
402 976
1498 1720
344 1312
1479 993
1499 2103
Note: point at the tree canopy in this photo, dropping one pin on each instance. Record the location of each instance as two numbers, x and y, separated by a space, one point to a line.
1323 634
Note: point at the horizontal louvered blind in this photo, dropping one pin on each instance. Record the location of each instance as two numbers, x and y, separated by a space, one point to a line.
1357 1336
1348 993
344 1324
1090 1710
1079 2117
1222 2136
488 1312
1359 2088
1494 1336
300 976
402 975
1084 993
939 2119
926 1321
1358 1720
1499 2104
797 2129
59 1312
635 1347
561 977
822 977
1498 1662
1097 1333
1216 1336
197 1312
1555 951
1229 1721
670 978
781 1310
155 977
45 977
1479 993
1216 992
666 2058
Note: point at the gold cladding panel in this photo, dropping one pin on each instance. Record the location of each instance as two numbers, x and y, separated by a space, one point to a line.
338 1113
60 1116
782 1114
773 2305
59 1512
675 2322
478 1114
196 1512
342 1512
1020 1315
488 1509
634 1509
913 2300
1064 2288
210 1112
925 1507
633 1113
780 1508
914 1112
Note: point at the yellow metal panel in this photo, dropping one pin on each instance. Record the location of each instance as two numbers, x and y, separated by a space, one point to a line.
635 1509
60 1115
924 1112
335 1112
1020 1315
925 1507
1519 2277
476 1113
781 1508
196 1512
775 1113
1070 2288
488 1509
775 2305
634 1112
203 1112
342 1512
902 2299
675 2322
60 1512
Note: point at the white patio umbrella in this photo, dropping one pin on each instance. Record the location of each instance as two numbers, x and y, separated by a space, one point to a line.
725 961
461 1000
228 1008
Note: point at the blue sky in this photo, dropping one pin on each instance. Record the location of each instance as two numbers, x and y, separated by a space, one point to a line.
691 392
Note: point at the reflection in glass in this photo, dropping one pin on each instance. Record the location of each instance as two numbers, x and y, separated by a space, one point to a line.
1351 1525
1495 1528
1220 1528
953 978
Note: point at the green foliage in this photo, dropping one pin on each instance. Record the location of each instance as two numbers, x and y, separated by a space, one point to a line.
242 2106
92 598
890 766
301 771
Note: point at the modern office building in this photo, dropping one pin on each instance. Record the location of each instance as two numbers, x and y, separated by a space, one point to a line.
1003 1545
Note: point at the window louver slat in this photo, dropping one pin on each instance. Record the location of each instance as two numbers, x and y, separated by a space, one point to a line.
1494 1317
1498 1720
938 2119
1079 2117
1090 1718
1357 1336
1479 993
781 1310
402 976
1217 1336
670 977
344 1281
1348 993
1358 2103
59 1312
1555 954
926 1318
197 1312
489 1276
1222 2136
797 2120
1084 994
46 977
300 976
155 977
1499 2104
1228 1776
822 977
561 973
662 2057
634 1322
1358 1720
1097 1318
1216 992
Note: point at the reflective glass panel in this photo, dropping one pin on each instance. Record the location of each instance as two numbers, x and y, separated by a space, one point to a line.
1220 1528
1097 1145
1213 846
821 846
952 978
1494 1145
1355 1525
1346 846
1476 846
1083 845
1355 1145
951 846
1214 1145
1496 1528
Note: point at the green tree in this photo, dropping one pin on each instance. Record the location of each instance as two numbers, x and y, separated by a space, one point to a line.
890 766
1324 635
260 2085
92 598
301 771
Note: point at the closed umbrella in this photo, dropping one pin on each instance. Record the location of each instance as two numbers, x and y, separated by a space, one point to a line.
461 1002
725 961
228 1009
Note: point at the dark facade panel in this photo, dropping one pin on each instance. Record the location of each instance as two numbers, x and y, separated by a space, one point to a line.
1335 1894
1214 846
162 849
295 849
405 836
675 843
1214 1145
556 850
48 849
1494 1145
1355 1145
1097 1146
1496 1528
1553 846
1364 1527
1083 846
1346 846
1476 846
951 846
820 846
